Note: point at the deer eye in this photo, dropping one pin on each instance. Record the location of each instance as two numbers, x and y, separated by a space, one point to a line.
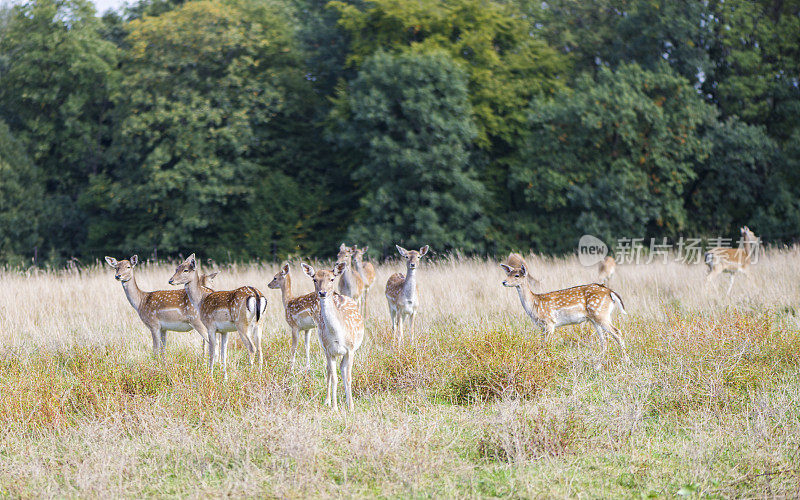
516 275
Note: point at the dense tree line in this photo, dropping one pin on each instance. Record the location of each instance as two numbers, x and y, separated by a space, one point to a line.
263 128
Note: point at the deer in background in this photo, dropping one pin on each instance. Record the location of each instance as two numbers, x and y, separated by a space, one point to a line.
160 310
366 270
401 293
350 284
607 269
223 312
733 260
299 311
593 303
341 330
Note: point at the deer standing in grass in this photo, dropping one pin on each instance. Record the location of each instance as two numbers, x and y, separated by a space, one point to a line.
341 330
593 303
160 310
350 284
733 260
366 270
607 269
239 310
401 293
299 311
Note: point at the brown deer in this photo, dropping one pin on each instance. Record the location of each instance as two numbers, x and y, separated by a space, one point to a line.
593 303
366 270
401 293
733 260
160 310
607 269
350 284
341 330
299 311
239 310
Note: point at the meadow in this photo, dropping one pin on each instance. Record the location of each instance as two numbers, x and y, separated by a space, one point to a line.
475 406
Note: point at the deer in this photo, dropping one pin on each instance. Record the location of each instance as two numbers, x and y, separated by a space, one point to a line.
350 284
606 270
733 260
340 327
366 270
593 303
160 310
222 312
402 293
516 261
299 311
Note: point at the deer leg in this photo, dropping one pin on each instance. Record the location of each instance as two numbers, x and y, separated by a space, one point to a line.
295 335
308 349
603 344
212 350
733 275
223 353
257 341
155 333
365 304
617 336
330 396
411 326
163 341
344 366
400 327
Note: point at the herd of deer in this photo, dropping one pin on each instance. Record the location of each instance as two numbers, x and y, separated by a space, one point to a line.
339 317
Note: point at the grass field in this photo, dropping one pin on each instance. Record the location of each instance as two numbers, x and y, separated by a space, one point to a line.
476 406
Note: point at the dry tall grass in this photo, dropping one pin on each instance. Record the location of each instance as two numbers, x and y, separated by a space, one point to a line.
476 406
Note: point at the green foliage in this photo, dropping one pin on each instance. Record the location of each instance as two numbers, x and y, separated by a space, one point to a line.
611 158
409 117
20 200
55 80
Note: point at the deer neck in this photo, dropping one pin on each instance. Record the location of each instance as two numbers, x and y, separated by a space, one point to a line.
194 291
528 299
359 267
286 290
132 291
349 276
410 285
329 313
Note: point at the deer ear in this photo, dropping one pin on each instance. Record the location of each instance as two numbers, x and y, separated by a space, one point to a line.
342 247
285 269
402 251
523 271
339 268
365 249
134 260
212 275
111 261
191 261
308 270
424 250
507 268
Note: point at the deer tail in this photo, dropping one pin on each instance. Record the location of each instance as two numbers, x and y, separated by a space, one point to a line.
618 301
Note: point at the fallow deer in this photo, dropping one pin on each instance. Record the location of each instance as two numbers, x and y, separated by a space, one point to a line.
733 260
239 310
401 293
366 270
341 330
160 310
607 269
593 303
350 284
299 311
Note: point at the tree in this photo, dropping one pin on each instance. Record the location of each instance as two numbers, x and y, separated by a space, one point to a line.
610 158
409 116
56 76
208 88
20 200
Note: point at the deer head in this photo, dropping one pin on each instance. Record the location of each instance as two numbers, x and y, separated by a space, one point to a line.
123 268
412 256
323 279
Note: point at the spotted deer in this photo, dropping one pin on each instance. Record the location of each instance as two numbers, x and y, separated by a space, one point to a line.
593 303
733 260
401 293
607 269
160 310
341 330
299 311
239 310
350 284
366 270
